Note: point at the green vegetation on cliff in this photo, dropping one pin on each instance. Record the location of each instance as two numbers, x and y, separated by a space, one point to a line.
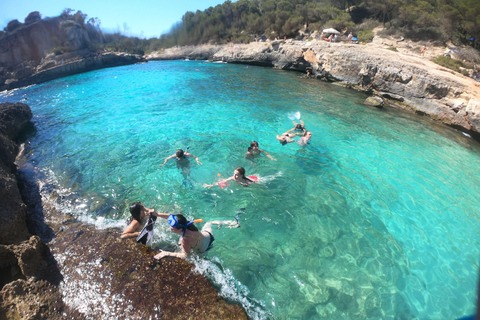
242 20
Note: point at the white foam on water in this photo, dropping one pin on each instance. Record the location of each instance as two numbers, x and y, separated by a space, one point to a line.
229 287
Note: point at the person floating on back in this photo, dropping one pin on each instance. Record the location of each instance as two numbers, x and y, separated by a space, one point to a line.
300 126
286 137
254 150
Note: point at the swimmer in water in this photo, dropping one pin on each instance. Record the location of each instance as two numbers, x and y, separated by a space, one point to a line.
191 239
182 158
286 137
253 151
299 126
238 176
305 138
182 161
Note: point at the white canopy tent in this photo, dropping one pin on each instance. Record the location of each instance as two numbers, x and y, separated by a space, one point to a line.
331 30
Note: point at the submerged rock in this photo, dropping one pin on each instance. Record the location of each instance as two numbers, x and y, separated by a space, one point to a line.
374 102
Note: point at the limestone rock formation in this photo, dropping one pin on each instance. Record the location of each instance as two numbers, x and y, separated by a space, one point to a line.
13 119
25 263
374 102
53 48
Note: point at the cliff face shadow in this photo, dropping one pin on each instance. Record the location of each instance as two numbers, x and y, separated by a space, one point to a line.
36 224
31 196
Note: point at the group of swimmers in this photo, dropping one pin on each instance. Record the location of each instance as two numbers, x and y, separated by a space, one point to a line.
287 137
191 239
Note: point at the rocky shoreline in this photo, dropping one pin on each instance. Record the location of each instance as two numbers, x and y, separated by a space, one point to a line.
101 275
57 68
401 80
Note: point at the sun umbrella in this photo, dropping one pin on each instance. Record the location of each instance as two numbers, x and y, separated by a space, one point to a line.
330 30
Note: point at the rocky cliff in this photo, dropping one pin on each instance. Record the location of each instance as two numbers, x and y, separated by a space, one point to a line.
53 48
28 274
402 80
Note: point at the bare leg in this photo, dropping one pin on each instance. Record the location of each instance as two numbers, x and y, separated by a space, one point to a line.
229 223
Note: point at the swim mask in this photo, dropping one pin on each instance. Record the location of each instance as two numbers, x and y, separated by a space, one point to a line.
173 222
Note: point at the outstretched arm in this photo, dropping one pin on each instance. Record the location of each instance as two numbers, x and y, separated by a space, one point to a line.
267 154
166 159
196 158
161 215
205 185
185 251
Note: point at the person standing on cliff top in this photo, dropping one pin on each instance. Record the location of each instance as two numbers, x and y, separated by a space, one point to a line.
422 52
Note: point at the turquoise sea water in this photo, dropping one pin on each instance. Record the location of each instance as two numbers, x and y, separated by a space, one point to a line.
377 218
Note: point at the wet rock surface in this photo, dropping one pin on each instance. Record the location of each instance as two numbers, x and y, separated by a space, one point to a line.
104 277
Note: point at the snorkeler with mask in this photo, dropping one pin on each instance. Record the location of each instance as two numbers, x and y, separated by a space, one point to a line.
191 239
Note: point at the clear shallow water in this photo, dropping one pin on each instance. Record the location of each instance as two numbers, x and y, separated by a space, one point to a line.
376 219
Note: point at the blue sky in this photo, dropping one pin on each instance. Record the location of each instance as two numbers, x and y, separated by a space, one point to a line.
145 18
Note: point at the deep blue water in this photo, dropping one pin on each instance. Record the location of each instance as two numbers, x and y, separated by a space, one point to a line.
377 218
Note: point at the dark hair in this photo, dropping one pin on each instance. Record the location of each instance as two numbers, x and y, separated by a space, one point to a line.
241 170
305 133
179 153
299 126
183 221
136 210
254 144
